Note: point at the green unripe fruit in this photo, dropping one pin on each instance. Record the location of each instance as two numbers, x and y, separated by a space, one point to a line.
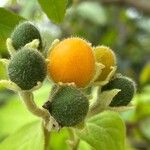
25 33
127 87
26 68
68 105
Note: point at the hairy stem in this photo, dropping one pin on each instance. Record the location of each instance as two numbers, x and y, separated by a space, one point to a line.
27 98
47 138
74 140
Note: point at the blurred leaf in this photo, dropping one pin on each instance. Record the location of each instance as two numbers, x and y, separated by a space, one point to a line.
143 104
109 37
16 114
29 9
30 136
84 146
55 9
144 23
59 137
129 146
144 126
142 110
3 74
4 95
8 21
145 74
69 3
13 115
92 11
105 131
128 116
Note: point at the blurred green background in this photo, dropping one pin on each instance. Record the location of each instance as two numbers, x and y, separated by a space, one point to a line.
123 25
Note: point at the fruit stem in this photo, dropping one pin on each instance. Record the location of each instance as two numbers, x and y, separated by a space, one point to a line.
27 98
10 85
46 137
74 140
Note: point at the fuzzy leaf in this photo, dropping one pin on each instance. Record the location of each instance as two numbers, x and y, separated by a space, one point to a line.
15 107
104 131
30 136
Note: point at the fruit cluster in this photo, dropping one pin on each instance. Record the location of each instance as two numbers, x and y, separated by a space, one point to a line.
73 65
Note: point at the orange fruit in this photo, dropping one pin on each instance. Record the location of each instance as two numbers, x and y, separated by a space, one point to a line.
72 60
107 57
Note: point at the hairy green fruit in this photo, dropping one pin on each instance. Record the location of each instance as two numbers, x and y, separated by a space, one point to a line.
25 33
26 68
127 87
68 105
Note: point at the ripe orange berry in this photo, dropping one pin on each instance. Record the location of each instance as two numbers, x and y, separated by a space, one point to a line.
107 57
72 60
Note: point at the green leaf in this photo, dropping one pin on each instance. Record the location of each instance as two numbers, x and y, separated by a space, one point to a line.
55 9
142 104
3 74
145 74
142 110
84 146
30 136
8 21
15 113
104 131
59 137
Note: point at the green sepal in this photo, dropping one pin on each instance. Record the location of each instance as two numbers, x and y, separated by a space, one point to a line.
127 87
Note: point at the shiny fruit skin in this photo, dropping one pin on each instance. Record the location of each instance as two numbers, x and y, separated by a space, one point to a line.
72 60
